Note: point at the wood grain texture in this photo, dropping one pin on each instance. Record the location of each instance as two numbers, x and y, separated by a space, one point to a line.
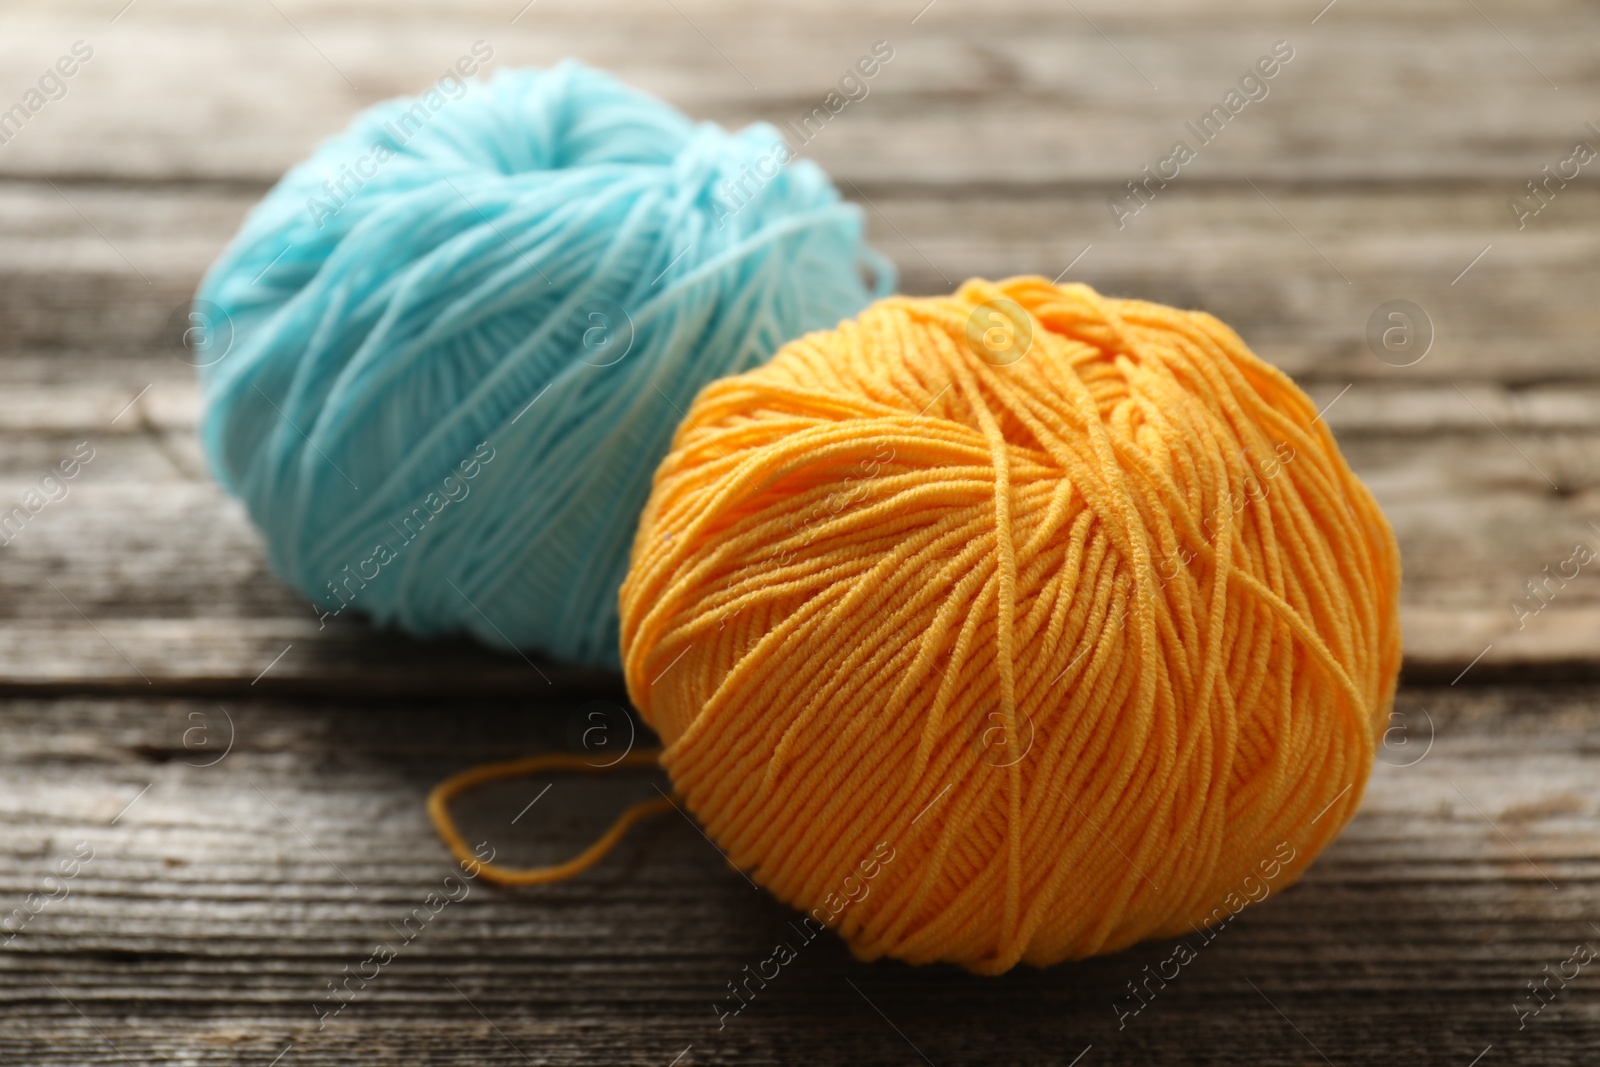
1037 94
1484 454
100 269
251 784
145 573
218 905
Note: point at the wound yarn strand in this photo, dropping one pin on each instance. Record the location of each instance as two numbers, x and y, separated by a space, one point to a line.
442 794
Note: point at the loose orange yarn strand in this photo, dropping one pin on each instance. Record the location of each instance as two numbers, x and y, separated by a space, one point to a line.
439 811
857 551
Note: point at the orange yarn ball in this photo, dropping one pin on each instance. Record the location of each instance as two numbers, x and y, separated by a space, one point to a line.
1017 625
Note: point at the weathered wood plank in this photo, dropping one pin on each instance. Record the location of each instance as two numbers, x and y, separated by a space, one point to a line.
173 589
1020 97
206 925
1524 313
46 394
174 581
225 893
1462 498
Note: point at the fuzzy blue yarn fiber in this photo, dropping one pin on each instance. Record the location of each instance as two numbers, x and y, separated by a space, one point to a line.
459 337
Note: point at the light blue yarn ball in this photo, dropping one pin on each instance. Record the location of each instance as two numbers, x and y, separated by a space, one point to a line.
449 350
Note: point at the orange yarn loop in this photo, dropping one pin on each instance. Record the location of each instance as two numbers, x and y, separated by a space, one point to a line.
1071 602
447 790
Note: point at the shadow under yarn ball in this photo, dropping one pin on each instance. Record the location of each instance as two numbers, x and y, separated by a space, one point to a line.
464 331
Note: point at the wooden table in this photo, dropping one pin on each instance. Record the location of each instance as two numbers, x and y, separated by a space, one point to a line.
238 794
